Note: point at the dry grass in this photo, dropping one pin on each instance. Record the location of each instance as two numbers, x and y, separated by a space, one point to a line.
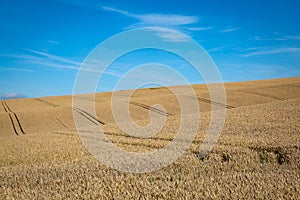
257 155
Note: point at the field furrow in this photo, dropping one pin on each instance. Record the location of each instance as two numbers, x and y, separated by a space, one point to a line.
215 103
7 109
61 123
151 108
4 107
265 95
47 102
18 123
13 124
88 116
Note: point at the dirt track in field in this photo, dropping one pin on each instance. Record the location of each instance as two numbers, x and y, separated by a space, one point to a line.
257 155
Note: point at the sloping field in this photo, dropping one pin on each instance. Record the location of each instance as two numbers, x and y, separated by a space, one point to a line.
257 155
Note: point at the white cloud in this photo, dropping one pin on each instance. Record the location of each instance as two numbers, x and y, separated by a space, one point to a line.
154 19
44 59
229 29
171 36
15 69
168 20
222 48
257 38
46 63
249 49
177 22
269 51
53 57
199 28
123 12
293 37
278 38
216 49
53 42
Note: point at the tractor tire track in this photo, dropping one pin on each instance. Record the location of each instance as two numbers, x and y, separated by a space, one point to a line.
264 95
47 102
88 116
12 122
64 133
61 123
215 103
93 100
4 107
196 141
94 118
137 144
19 124
16 124
151 108
154 145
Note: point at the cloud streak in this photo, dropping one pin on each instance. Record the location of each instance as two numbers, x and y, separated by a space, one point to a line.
270 51
199 28
55 58
280 38
177 22
15 69
155 19
171 36
293 37
229 29
53 42
43 59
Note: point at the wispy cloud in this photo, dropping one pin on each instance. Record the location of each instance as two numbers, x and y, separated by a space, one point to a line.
293 37
222 48
171 36
199 28
54 57
53 42
155 19
216 49
269 51
172 21
247 49
43 59
258 38
229 29
15 69
278 38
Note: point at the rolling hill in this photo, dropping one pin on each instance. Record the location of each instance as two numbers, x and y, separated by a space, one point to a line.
257 154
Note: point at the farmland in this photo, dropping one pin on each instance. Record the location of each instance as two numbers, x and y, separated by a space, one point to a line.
257 154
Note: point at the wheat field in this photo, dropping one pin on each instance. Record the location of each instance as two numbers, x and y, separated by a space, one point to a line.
256 157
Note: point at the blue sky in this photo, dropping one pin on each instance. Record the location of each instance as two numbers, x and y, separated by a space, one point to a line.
43 42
